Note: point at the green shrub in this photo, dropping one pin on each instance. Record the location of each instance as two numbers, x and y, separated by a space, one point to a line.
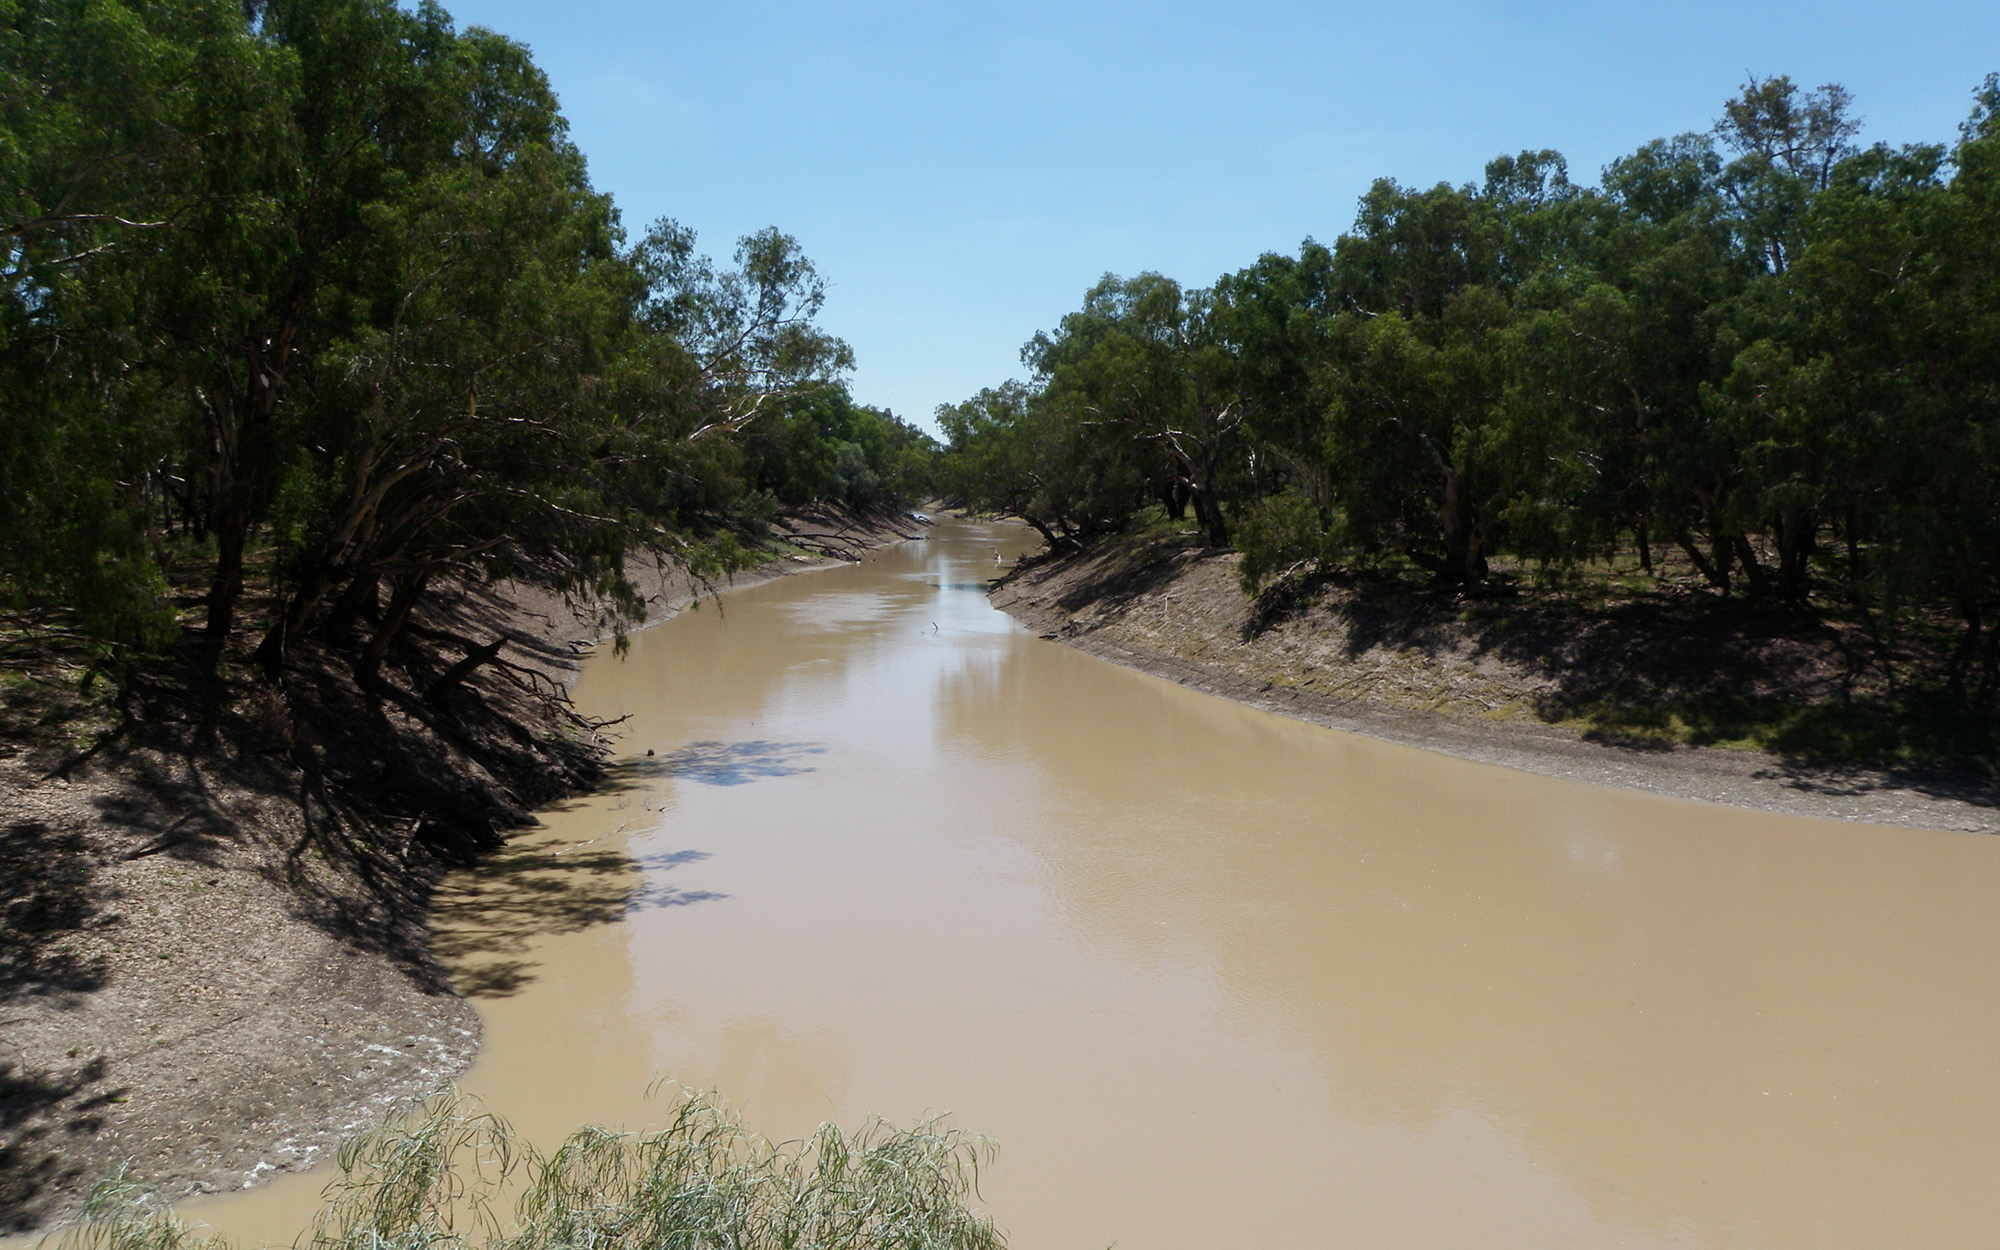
1279 533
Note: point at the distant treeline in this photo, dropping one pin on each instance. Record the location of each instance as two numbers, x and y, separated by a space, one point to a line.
314 298
1761 347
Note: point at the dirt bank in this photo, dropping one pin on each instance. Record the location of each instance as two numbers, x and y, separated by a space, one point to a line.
1469 681
214 963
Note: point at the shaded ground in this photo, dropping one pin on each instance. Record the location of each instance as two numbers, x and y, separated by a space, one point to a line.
215 959
200 985
1665 689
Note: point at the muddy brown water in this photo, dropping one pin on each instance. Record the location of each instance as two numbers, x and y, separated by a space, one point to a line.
1212 977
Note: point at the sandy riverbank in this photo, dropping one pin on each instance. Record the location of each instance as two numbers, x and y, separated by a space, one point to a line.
1178 613
194 979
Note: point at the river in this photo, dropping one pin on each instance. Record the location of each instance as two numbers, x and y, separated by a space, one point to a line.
1212 977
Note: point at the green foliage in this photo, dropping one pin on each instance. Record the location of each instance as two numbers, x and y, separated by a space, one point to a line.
1140 375
821 444
1760 346
1010 452
329 275
108 152
431 1180
1279 533
121 1214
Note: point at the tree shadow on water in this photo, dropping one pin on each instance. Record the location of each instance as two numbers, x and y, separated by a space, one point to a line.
488 921
656 893
718 763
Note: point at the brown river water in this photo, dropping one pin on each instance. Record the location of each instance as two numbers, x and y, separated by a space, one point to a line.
1212 977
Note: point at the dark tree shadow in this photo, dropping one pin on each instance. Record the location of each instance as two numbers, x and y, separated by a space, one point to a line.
1121 578
39 1112
487 919
717 763
657 893
47 897
1651 672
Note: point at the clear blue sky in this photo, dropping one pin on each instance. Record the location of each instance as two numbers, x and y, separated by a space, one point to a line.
962 172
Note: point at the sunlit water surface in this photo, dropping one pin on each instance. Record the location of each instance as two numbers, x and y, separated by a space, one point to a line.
1212 977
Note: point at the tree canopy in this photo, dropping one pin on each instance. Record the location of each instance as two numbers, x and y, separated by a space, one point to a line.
1762 346
317 295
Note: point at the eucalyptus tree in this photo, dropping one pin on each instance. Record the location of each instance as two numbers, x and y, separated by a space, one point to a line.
818 443
1568 475
450 420
1010 451
274 278
1410 251
1666 246
1273 319
1766 468
1410 406
534 387
1787 146
1886 369
1406 372
133 138
331 272
1142 364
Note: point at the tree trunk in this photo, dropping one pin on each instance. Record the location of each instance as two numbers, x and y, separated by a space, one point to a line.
1464 561
1968 644
1645 547
1724 553
1197 477
1208 513
231 530
1717 578
457 673
243 426
1853 546
292 621
1055 542
1989 667
1798 534
1753 572
362 597
368 668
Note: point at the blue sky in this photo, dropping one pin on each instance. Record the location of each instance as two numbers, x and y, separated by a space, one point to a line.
961 173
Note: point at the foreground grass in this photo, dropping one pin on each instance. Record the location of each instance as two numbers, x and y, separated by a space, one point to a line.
432 1180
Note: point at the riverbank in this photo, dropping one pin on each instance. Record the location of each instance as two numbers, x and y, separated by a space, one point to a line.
214 965
1481 682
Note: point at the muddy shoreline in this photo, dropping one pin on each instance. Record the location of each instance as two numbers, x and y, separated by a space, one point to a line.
195 985
1179 615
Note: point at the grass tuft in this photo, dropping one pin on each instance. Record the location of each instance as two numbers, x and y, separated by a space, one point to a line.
429 1181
